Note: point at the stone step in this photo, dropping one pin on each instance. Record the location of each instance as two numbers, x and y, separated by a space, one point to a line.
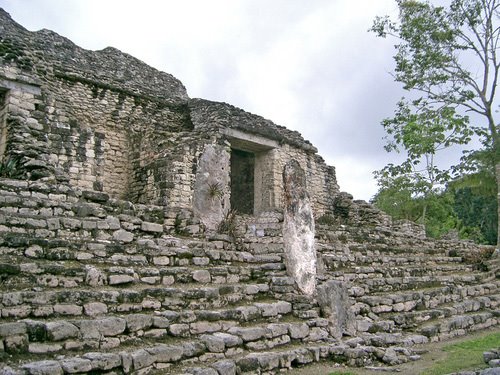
382 261
400 271
160 251
250 324
396 284
429 298
123 299
211 356
459 325
395 321
17 275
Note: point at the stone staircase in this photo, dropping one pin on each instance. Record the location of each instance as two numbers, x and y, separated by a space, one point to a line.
89 284
406 294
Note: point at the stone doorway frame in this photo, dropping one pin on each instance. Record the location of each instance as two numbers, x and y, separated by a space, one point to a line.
262 150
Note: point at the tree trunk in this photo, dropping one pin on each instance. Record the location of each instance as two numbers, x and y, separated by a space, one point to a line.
497 177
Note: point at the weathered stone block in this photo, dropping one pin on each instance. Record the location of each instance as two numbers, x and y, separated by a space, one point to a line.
213 343
225 367
61 330
123 236
120 279
103 361
249 333
95 308
111 326
298 331
43 368
179 330
11 329
151 227
229 340
16 344
64 309
76 365
44 348
202 276
161 261
136 322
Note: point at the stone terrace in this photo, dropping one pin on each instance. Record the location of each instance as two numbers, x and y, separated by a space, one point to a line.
93 284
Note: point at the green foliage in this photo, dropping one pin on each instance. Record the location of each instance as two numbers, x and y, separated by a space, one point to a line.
467 205
215 190
12 167
446 58
399 201
475 200
467 355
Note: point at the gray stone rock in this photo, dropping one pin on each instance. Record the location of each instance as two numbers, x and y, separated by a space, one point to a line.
491 371
94 276
141 359
179 330
248 333
166 353
151 227
61 330
211 195
335 306
120 279
202 276
213 343
95 308
43 368
123 236
489 355
298 229
225 367
229 340
193 349
16 344
88 329
391 357
103 361
494 363
11 329
76 365
136 322
111 326
298 331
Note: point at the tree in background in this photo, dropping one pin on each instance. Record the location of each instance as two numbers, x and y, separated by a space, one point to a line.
474 199
446 58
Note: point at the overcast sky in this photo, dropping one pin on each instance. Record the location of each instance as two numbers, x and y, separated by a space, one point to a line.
309 65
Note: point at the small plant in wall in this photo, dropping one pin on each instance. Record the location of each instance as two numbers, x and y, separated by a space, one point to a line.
215 190
229 224
12 167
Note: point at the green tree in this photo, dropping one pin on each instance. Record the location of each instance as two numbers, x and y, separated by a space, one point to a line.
474 199
446 58
398 200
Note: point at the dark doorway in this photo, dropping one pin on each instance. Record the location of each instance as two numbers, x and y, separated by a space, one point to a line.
242 181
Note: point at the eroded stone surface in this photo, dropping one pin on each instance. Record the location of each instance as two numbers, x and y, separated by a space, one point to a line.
298 229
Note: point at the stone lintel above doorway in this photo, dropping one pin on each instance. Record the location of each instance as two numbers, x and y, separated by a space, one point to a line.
249 142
